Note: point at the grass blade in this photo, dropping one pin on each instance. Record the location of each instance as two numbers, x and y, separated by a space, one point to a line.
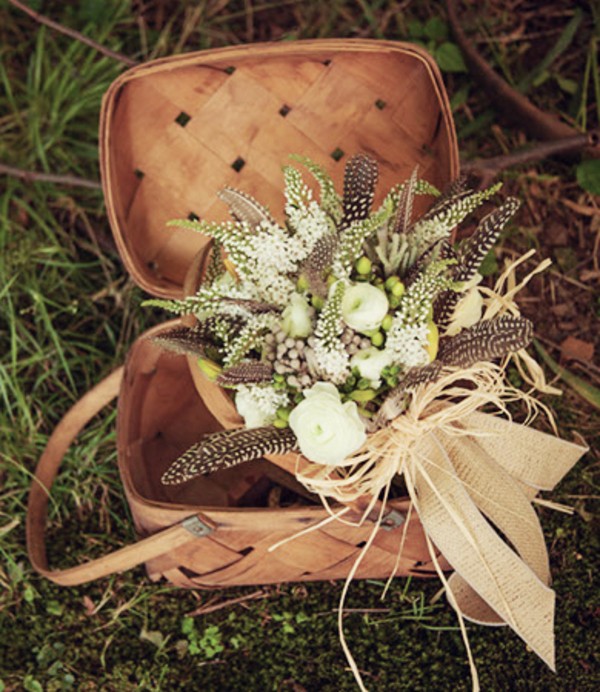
564 41
585 390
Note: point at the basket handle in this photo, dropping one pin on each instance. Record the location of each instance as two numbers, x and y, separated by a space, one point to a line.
37 507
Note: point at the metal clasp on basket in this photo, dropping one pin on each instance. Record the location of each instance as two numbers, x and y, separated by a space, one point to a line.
196 527
392 520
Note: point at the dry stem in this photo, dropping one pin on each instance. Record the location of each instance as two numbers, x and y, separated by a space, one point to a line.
40 18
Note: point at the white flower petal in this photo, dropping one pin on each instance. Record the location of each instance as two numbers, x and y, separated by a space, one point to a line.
370 362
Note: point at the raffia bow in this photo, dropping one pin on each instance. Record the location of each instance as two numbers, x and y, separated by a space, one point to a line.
468 472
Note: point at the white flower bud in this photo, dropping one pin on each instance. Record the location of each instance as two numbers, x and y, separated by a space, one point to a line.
296 318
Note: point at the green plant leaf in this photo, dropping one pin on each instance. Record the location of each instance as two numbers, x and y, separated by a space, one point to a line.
489 266
588 175
585 390
54 608
459 98
436 29
416 29
30 684
449 58
569 86
153 636
187 625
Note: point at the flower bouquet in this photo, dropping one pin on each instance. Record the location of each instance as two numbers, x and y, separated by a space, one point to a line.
361 340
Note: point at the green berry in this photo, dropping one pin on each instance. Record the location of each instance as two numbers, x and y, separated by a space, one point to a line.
377 339
363 395
398 289
279 423
391 281
363 265
386 323
302 283
317 302
283 413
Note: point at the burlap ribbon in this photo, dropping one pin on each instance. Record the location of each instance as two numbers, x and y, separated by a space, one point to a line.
461 480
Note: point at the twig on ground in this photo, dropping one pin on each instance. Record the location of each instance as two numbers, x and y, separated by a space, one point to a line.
487 169
203 610
513 105
36 176
42 19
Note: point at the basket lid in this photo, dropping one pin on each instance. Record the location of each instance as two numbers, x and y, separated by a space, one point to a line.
175 131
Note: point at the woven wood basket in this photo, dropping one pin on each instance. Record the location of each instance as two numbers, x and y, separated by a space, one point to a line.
172 134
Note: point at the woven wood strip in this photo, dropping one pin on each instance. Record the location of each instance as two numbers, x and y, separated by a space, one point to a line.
212 555
175 132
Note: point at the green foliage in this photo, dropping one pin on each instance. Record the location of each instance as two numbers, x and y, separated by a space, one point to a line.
489 266
449 58
208 644
433 35
588 176
290 621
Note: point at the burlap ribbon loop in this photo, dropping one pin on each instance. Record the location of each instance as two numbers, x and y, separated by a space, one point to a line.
458 480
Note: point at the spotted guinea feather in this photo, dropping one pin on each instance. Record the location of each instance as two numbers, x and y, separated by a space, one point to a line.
319 260
443 308
255 306
250 372
228 448
472 255
184 340
480 243
360 179
245 208
405 204
486 340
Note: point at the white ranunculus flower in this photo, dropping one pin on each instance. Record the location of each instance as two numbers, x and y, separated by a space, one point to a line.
327 430
296 317
370 362
364 307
